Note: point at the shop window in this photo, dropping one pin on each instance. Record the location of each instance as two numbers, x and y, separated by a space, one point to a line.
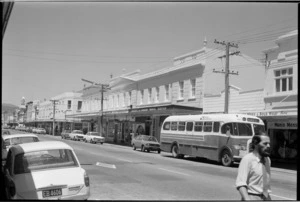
207 126
189 126
181 126
174 126
284 80
166 126
198 126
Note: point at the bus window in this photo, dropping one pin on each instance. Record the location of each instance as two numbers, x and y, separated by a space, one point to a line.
166 126
207 126
189 126
174 126
216 127
258 129
225 127
181 126
235 129
198 126
244 129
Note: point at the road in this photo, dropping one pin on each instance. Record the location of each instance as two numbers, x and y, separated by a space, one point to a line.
120 173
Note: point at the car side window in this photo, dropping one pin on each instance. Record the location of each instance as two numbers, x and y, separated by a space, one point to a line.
7 142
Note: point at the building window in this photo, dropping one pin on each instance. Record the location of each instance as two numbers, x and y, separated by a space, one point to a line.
142 96
79 105
180 90
193 88
167 90
69 104
129 98
117 100
284 80
157 94
149 95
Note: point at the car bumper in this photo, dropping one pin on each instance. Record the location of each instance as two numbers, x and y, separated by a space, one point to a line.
153 148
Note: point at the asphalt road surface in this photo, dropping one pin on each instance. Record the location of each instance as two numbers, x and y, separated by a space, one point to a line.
120 173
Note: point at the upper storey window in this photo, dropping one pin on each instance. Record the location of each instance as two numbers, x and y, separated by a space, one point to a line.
284 80
180 96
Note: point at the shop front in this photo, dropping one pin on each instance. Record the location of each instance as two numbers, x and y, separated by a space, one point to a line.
123 125
282 127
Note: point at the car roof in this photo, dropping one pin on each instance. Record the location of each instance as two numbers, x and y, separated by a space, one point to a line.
18 135
39 146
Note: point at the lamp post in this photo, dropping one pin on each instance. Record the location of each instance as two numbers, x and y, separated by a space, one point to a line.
103 88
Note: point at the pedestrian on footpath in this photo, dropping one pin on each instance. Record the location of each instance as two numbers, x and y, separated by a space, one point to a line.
254 173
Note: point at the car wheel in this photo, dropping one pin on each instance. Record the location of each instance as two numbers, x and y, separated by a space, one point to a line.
143 148
148 150
101 142
158 151
226 158
133 146
91 141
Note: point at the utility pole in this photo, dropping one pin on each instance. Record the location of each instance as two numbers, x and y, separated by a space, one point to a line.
104 88
53 127
228 45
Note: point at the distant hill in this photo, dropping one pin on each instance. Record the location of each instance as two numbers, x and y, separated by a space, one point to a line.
9 108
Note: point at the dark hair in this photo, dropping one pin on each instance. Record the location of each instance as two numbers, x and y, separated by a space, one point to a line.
256 139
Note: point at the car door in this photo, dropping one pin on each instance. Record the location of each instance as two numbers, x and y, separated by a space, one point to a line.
88 136
138 141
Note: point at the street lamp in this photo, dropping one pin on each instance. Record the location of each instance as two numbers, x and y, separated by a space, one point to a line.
103 88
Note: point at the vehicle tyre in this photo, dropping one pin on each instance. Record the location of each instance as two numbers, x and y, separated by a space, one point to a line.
91 141
226 158
134 148
101 142
158 151
175 151
143 148
148 150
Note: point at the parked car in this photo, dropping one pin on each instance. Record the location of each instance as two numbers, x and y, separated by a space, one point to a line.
15 139
65 134
45 170
94 137
40 131
76 135
5 132
146 143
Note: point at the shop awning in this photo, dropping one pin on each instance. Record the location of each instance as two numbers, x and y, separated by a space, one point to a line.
85 115
163 109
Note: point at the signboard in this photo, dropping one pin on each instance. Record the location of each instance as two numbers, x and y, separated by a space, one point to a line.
272 113
283 125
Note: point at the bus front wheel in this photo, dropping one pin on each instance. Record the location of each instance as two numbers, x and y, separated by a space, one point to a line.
226 158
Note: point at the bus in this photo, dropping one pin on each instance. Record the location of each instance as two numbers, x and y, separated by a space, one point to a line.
224 138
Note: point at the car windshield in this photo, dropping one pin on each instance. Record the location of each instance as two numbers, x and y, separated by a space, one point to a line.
46 159
149 138
67 131
94 133
20 140
78 132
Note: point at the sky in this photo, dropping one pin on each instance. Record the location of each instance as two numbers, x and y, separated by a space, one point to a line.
48 47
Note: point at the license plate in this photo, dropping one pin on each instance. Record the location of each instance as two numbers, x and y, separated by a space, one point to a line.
52 192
